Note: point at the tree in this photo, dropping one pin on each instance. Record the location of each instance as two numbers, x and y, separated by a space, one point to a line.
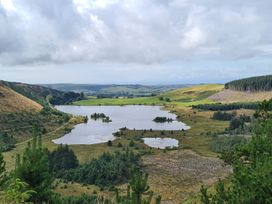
33 169
61 159
252 167
137 188
17 192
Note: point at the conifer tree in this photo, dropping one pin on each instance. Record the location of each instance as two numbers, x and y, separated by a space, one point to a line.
33 169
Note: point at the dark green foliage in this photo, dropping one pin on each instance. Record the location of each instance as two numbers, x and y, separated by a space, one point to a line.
107 170
7 142
61 159
219 115
3 174
131 143
162 119
260 83
236 123
252 167
33 169
226 107
96 116
222 144
109 143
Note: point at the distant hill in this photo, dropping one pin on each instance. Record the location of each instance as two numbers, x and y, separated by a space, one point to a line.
42 95
112 90
254 84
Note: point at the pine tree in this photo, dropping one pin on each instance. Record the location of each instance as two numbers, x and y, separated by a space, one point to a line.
33 169
136 190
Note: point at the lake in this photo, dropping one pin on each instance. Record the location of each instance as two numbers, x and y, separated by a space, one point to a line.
132 117
161 143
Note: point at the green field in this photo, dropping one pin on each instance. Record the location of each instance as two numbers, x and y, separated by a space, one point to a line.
184 97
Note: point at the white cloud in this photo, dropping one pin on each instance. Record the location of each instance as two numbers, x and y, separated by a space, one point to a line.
133 31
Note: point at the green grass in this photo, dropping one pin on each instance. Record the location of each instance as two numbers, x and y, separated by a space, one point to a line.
183 97
120 101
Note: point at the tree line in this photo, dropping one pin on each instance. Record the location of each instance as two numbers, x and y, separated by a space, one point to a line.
260 83
229 106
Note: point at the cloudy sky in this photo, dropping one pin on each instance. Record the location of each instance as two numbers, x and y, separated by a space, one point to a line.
134 41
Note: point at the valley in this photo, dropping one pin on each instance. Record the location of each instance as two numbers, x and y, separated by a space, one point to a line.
176 174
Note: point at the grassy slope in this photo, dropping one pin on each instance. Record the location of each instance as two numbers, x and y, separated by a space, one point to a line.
11 101
184 97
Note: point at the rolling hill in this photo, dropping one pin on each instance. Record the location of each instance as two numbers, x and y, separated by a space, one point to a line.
111 90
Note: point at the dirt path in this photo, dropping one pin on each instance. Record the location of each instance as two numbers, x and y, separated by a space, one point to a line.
44 136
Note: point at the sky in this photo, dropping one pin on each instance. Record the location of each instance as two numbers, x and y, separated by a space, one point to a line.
134 41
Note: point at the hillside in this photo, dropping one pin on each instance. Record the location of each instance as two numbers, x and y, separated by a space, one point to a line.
11 101
245 90
193 93
43 95
23 105
253 84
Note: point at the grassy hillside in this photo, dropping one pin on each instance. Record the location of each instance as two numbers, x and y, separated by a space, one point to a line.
24 105
193 93
11 101
185 96
42 95
255 84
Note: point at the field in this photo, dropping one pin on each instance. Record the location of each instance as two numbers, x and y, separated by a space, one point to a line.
184 97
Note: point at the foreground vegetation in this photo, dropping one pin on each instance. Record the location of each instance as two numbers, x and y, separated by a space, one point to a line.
252 166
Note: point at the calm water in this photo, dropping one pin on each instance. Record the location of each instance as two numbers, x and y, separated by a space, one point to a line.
161 143
136 116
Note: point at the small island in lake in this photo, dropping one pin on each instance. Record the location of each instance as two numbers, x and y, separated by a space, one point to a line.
162 120
105 119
